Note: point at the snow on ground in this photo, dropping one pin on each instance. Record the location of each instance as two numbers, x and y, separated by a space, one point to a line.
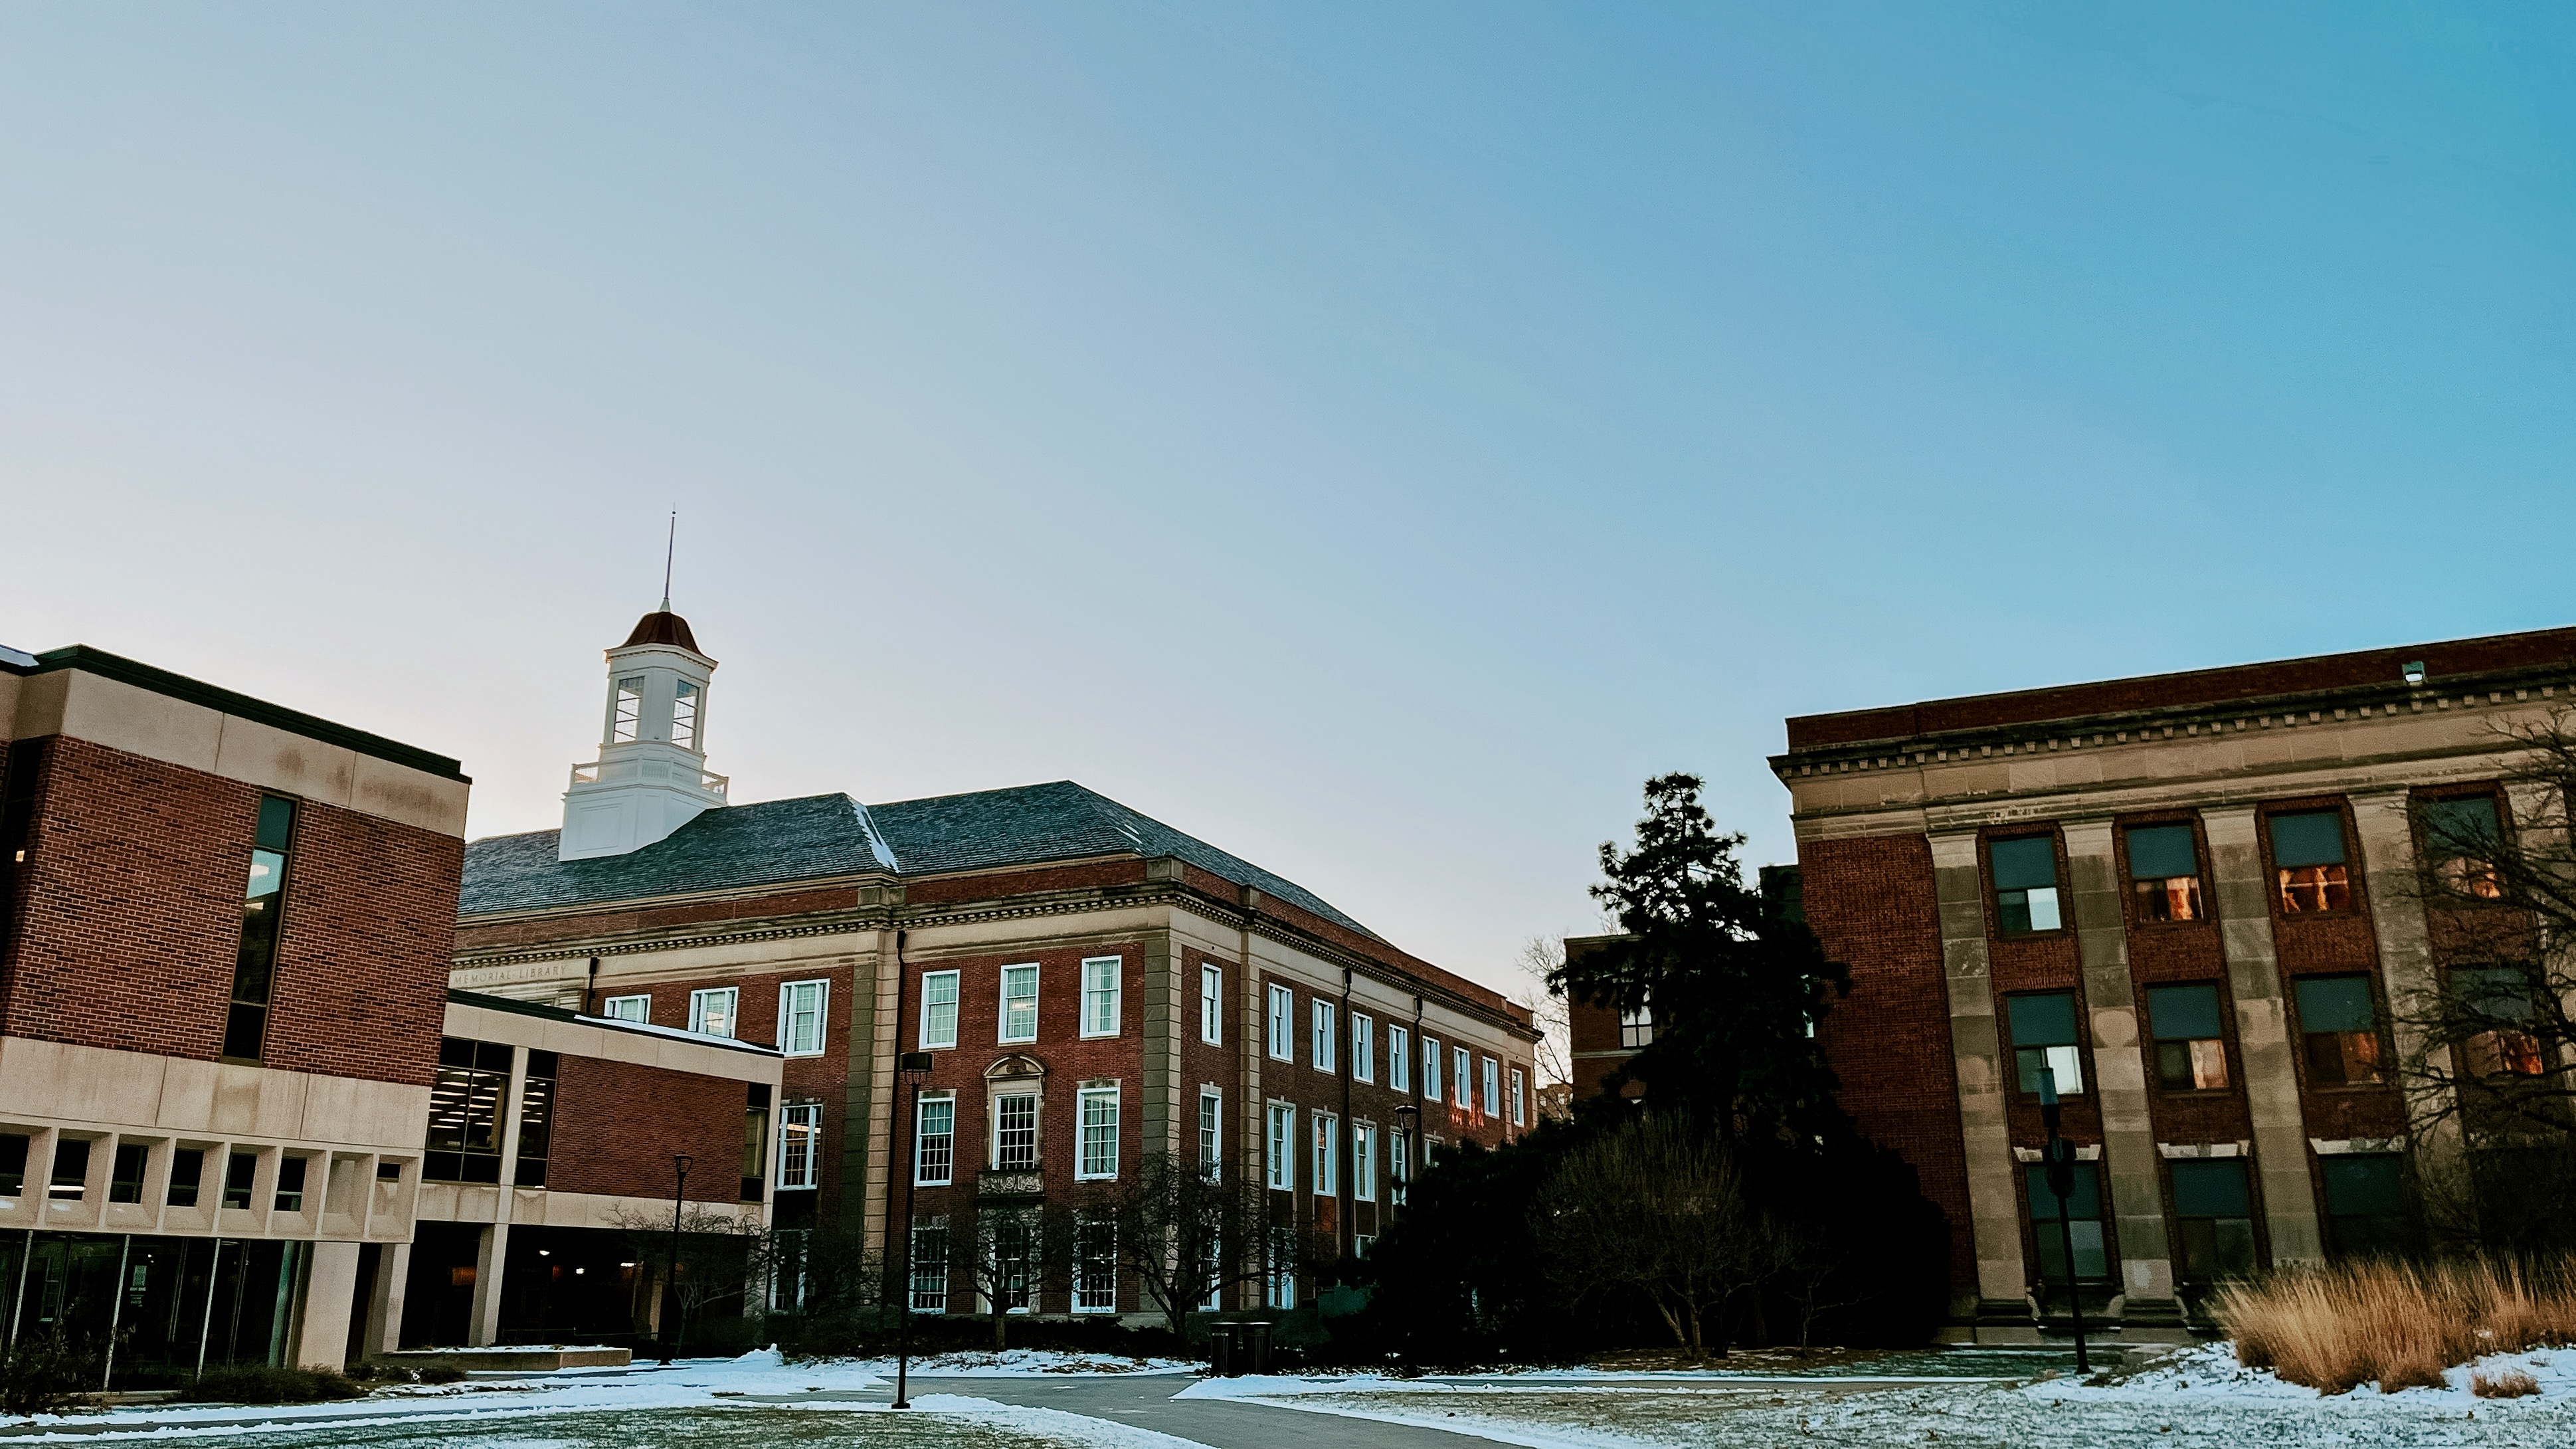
2200 1398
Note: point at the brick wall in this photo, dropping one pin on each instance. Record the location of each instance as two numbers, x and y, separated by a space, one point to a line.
617 1125
1871 902
128 921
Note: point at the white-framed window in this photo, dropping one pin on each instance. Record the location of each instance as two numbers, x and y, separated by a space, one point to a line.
627 714
1493 1084
684 715
934 1141
1399 1059
1281 1287
1283 1147
1100 996
1020 1003
1363 1047
1323 1036
1520 1099
1214 1275
1364 1162
1431 1069
628 1008
788 1264
1328 1138
800 1017
938 1009
1211 1133
1097 1156
929 1265
1460 1071
1283 1015
1399 1166
1212 1004
711 1012
1636 1027
1015 1132
1095 1263
800 1144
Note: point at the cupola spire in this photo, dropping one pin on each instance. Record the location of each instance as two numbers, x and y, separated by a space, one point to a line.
651 776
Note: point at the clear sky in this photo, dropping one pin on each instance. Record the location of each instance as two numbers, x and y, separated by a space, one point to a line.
1372 437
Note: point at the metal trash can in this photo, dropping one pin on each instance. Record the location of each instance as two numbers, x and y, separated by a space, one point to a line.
1256 1347
1221 1350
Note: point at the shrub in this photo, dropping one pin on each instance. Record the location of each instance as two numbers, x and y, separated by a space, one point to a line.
46 1372
2398 1324
2511 1384
260 1384
438 1373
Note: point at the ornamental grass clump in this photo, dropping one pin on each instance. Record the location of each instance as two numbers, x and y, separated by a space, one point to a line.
2398 1325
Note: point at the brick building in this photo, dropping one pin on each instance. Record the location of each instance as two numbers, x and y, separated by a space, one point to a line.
224 930
1091 985
2187 896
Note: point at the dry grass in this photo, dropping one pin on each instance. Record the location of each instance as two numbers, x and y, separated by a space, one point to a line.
2511 1384
2395 1324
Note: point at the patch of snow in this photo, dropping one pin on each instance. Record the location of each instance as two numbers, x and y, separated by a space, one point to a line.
1017 1362
2211 1373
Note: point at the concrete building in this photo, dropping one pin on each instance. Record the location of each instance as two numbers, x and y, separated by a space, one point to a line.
2188 896
223 938
1090 983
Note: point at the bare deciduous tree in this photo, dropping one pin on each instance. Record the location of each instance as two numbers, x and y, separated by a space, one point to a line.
1011 1251
723 1257
2488 1052
1655 1208
1188 1232
1540 959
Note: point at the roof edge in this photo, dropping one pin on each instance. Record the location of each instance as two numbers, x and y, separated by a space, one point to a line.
224 701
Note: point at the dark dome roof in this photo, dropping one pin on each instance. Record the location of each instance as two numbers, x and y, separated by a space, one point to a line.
662 627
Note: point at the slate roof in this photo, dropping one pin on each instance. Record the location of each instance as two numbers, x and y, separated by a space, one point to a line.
777 842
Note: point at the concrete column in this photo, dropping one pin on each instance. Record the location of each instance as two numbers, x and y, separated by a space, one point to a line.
2387 829
1160 1019
330 1290
2129 1153
1994 1208
867 1152
385 1299
2242 896
491 1258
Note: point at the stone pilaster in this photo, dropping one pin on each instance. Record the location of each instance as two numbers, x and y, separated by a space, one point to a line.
1994 1209
2129 1154
2387 829
2242 896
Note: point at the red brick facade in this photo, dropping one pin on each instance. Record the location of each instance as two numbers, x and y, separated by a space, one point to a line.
127 921
617 1125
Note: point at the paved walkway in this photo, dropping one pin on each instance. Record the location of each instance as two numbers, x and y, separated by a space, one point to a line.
1145 1401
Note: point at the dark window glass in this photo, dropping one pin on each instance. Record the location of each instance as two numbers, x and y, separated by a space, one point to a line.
2217 1218
2083 1212
13 1164
755 1143
464 1141
2365 1203
290 1184
187 1174
2043 1035
263 908
2340 1031
71 1170
2307 854
238 1176
2025 871
2498 998
2461 838
125 1181
2191 1048
536 1119
2164 872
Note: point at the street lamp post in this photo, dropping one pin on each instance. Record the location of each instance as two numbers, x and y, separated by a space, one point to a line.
912 1067
671 1286
2061 1181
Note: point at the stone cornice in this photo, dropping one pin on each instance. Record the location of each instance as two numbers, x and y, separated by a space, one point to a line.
2545 684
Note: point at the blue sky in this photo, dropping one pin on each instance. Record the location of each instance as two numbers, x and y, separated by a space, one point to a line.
1370 437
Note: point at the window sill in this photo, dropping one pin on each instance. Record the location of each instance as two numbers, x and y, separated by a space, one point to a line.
1015 1041
1097 1036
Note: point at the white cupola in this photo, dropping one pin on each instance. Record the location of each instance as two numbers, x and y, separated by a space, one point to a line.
651 776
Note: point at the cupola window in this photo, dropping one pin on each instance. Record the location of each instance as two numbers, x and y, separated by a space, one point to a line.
684 716
630 708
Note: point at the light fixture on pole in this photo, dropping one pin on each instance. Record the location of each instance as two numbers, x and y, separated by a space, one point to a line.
2061 1181
912 1067
671 1285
